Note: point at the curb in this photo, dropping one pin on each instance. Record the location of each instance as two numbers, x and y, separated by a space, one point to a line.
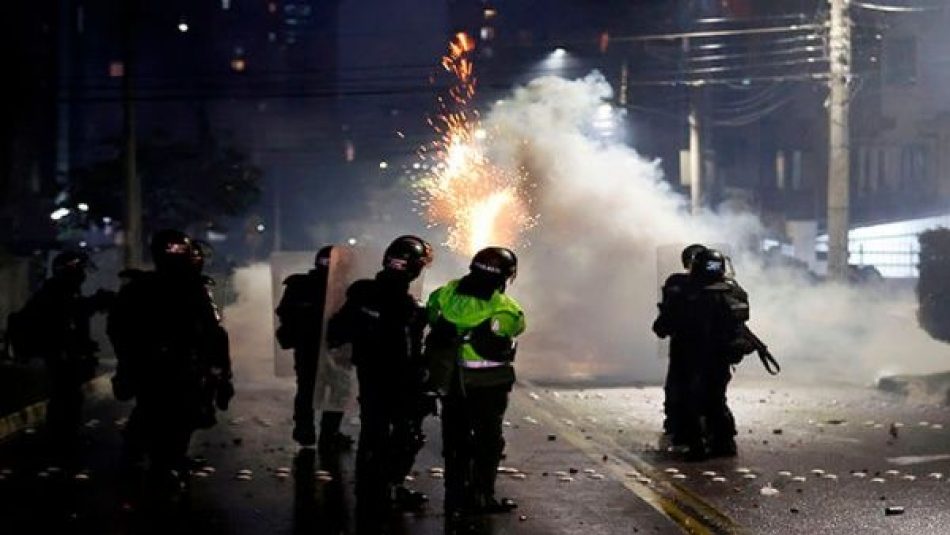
35 414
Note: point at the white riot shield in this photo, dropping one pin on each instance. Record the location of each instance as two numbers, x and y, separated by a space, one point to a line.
336 379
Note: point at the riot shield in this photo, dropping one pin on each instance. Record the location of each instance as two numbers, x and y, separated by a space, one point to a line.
336 379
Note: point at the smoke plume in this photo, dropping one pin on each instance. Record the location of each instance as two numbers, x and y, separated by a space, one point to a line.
589 279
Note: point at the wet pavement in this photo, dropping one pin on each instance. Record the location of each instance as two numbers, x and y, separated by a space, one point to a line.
256 480
813 459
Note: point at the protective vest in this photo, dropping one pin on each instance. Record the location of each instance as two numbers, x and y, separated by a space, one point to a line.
471 317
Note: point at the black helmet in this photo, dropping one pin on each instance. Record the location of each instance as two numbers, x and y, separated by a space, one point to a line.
496 261
173 250
686 257
322 259
407 254
709 265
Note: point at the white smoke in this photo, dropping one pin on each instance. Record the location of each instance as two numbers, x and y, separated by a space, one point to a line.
589 279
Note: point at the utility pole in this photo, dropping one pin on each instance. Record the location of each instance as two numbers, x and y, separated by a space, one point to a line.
133 185
695 144
839 164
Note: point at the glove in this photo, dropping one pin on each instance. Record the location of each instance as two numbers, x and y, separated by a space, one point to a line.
122 388
223 395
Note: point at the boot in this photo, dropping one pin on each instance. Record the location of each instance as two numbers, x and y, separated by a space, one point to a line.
305 435
723 448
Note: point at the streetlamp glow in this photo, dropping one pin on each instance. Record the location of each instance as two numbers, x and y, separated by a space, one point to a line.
183 27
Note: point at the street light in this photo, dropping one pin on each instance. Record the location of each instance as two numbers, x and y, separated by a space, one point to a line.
183 26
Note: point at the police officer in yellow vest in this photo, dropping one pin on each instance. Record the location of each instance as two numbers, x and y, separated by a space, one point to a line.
470 350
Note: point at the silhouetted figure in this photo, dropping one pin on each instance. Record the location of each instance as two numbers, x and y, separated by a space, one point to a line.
385 325
675 290
301 311
710 326
173 359
54 326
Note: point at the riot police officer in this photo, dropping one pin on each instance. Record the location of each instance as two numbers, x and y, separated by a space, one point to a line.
676 387
385 325
54 325
470 351
715 310
172 358
300 312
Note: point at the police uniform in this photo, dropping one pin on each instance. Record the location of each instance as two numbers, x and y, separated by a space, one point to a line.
385 325
172 358
470 352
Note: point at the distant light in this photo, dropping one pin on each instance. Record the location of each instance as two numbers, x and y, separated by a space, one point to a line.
183 27
260 227
59 213
383 165
490 12
116 69
558 53
416 165
82 207
107 220
83 244
238 65
351 241
481 134
499 102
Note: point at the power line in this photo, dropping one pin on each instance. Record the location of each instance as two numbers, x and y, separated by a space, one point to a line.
718 33
889 8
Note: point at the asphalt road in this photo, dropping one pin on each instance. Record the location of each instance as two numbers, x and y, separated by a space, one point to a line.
813 459
284 496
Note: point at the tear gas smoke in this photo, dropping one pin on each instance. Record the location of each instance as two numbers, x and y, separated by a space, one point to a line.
589 280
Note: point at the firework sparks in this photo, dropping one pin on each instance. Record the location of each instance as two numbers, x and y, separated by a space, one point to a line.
479 203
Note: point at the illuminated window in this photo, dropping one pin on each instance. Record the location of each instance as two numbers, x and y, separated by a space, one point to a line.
238 64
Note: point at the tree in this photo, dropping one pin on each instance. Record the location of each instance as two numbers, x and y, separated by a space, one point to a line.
184 185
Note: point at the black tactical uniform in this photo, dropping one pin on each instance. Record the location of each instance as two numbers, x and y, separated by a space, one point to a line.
715 309
385 325
301 311
55 322
172 357
676 387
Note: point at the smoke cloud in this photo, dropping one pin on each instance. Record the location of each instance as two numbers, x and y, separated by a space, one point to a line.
589 279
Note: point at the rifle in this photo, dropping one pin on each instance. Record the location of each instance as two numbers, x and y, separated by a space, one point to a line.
768 361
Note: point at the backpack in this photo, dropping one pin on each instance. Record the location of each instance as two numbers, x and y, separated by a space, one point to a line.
24 341
299 312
